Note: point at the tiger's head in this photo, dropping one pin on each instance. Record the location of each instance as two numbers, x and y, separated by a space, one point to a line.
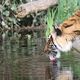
66 33
68 30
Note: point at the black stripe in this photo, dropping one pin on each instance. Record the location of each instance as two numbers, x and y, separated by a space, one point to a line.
77 31
66 26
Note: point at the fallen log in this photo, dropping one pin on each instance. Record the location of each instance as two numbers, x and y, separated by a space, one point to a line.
34 6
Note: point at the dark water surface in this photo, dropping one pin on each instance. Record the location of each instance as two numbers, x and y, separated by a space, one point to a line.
24 59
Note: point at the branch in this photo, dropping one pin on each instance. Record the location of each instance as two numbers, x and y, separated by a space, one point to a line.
34 6
39 28
31 29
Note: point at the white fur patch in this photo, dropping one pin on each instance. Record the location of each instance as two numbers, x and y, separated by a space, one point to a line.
57 56
66 47
61 43
51 57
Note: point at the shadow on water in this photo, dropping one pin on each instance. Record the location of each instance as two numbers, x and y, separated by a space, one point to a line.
22 59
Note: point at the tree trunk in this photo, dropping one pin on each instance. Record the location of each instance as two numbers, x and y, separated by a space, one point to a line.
34 6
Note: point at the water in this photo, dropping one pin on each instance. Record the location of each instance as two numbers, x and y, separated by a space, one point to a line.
24 59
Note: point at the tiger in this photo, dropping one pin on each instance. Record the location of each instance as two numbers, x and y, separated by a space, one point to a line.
65 34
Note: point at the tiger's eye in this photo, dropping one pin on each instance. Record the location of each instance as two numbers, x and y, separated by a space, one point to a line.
58 32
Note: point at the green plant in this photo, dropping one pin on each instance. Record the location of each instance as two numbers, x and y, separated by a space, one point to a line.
49 19
7 14
65 9
9 20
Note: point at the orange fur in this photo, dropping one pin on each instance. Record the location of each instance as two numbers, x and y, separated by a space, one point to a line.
72 24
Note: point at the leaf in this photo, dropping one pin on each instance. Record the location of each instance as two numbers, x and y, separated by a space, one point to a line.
13 7
6 13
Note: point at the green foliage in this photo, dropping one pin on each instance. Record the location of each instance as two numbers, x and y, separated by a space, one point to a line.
7 13
49 19
65 9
